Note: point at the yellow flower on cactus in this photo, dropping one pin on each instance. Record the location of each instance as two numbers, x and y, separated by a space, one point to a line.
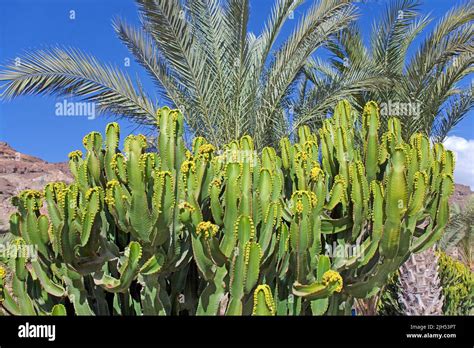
75 154
188 166
299 207
207 229
333 277
315 173
205 150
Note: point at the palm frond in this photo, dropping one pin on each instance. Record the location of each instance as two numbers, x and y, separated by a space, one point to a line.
451 36
393 33
322 20
70 72
347 46
330 83
168 24
212 29
458 240
452 115
278 16
146 54
326 93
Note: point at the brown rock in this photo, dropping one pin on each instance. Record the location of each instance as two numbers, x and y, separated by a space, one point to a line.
19 172
461 195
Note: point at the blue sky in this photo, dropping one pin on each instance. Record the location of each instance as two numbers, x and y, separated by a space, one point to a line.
29 124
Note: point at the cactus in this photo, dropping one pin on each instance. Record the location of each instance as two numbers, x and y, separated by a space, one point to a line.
208 231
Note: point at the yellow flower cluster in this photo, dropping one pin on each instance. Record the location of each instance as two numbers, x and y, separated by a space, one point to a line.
315 173
95 189
301 156
299 207
216 182
187 166
32 194
298 196
333 277
75 154
205 150
207 228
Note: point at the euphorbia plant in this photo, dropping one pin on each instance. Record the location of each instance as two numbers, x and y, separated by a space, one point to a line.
208 231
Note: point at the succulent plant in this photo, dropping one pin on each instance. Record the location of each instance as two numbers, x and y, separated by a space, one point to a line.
458 286
206 231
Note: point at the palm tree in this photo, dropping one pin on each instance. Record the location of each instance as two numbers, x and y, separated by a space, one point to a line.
202 57
428 80
420 291
419 284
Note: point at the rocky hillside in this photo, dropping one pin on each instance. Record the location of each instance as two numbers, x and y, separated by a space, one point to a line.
18 172
461 195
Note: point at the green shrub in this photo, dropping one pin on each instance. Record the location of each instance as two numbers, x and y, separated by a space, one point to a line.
457 281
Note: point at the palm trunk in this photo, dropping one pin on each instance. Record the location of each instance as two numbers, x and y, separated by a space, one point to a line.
420 288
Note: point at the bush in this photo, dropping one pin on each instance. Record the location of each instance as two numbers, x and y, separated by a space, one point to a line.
457 281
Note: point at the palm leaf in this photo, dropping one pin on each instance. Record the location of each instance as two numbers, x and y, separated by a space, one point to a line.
71 72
